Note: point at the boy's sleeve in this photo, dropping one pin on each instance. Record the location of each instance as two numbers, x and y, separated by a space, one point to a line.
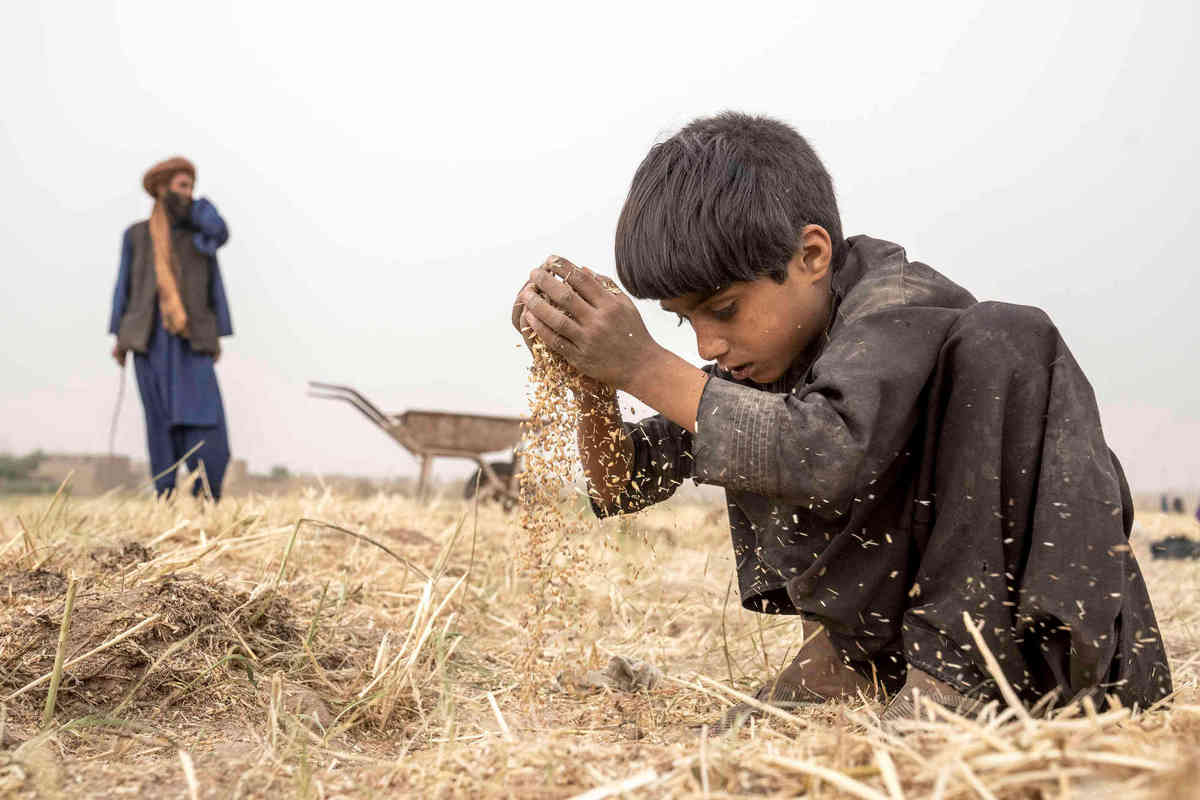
831 437
211 230
121 292
662 460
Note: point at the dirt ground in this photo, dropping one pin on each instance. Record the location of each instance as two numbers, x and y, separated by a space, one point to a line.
312 645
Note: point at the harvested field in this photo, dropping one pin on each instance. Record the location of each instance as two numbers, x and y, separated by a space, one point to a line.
241 651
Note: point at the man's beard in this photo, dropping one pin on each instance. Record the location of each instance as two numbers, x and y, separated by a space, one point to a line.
178 205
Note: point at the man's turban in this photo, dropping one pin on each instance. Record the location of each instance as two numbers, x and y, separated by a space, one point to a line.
161 173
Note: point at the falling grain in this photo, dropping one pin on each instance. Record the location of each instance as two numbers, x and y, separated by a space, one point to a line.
551 555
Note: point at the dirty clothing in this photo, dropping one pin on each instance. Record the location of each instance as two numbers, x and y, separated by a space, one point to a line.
934 456
176 379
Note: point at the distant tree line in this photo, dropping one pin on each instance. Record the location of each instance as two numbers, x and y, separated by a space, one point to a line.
17 474
15 468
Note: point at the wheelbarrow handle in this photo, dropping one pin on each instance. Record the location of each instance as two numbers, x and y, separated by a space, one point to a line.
347 395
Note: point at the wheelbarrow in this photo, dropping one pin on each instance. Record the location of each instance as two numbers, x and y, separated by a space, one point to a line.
441 434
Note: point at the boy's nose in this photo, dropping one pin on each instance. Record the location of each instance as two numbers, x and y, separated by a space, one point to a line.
711 348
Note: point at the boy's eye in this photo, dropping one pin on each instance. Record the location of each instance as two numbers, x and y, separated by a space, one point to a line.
725 313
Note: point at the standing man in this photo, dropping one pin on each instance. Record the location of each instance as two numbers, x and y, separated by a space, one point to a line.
169 308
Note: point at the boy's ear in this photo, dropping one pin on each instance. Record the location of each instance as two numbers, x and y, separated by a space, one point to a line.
815 253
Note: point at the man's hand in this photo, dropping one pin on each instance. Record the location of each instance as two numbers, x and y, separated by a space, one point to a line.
118 354
584 318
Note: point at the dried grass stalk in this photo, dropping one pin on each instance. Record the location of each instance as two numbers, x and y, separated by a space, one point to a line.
59 655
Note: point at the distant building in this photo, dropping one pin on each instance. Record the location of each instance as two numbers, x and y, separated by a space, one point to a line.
236 477
90 474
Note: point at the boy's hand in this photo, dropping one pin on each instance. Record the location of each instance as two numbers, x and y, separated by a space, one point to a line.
591 386
517 313
118 354
587 320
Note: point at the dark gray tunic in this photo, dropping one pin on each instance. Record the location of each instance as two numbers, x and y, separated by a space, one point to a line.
933 456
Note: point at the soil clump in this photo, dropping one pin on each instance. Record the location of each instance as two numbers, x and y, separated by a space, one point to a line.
32 583
121 555
193 623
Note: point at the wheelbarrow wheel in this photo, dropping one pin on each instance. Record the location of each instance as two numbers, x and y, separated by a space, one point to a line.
503 470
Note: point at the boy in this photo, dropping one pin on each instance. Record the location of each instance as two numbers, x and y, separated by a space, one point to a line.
893 452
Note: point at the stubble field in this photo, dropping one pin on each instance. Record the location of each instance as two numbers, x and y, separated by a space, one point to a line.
318 646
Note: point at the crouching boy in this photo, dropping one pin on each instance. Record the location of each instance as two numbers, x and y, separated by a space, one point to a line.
894 453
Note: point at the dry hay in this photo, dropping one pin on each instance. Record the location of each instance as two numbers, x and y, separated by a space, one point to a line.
369 674
151 638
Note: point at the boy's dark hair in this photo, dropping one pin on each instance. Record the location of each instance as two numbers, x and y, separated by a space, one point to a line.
723 200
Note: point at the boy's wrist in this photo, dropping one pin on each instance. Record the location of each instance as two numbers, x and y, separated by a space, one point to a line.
644 371
593 392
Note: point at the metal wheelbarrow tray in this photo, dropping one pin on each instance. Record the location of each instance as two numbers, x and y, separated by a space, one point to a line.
433 434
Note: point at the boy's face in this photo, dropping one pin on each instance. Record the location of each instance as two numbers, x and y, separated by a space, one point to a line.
757 329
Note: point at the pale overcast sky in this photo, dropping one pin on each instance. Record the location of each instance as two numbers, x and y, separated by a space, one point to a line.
390 173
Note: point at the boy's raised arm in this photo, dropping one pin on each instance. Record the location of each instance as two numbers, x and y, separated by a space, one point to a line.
630 465
584 318
604 446
587 320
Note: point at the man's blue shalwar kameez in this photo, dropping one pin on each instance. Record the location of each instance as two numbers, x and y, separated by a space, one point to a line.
178 385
